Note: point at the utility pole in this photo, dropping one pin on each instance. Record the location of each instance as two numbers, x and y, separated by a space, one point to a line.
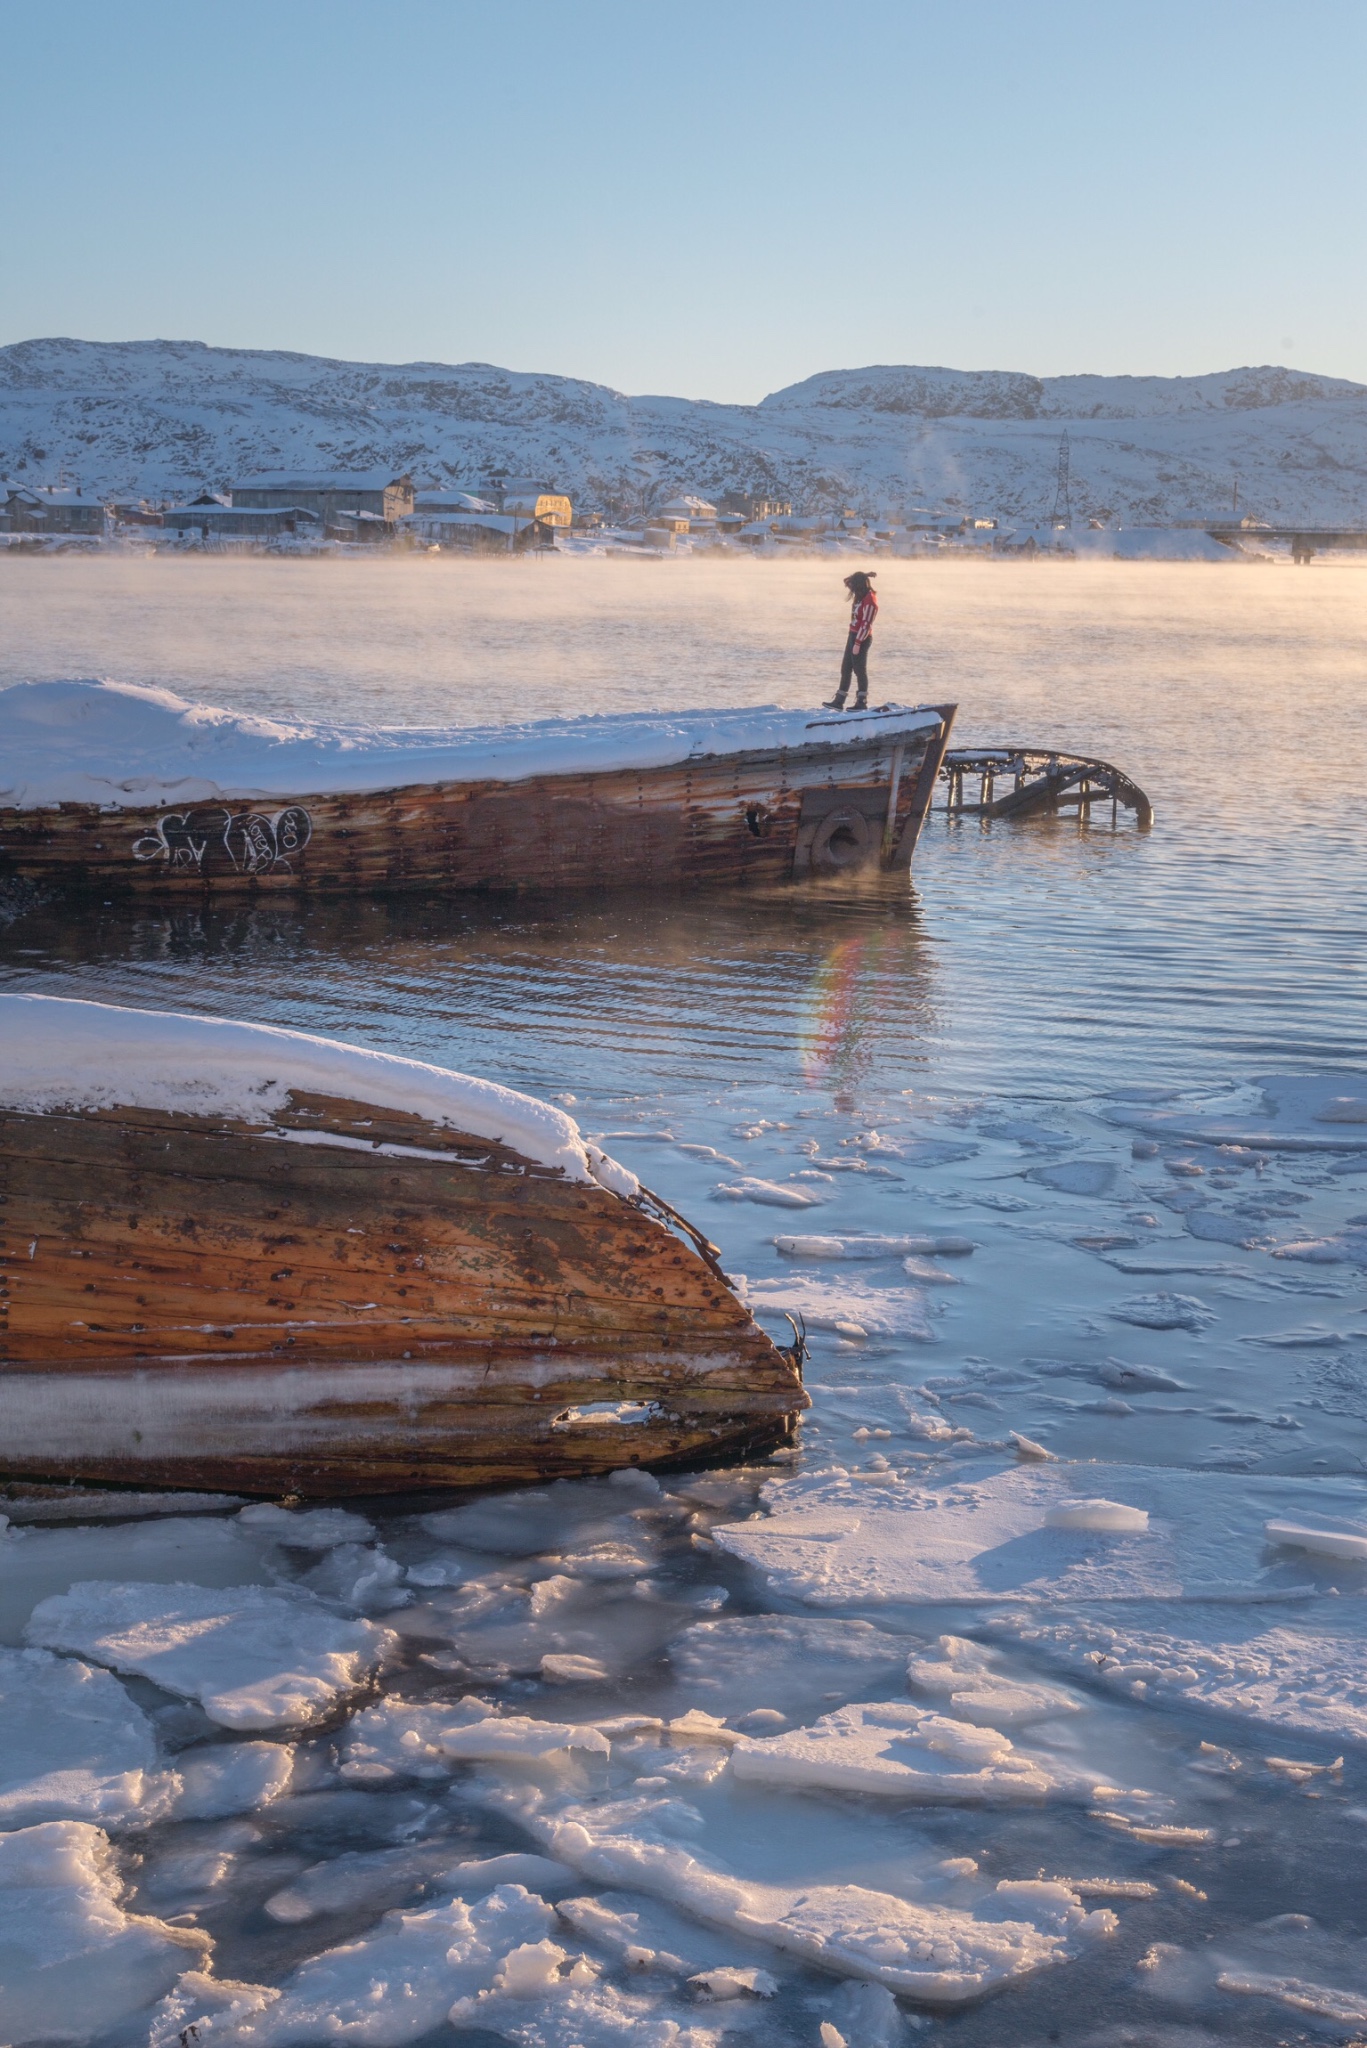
1062 514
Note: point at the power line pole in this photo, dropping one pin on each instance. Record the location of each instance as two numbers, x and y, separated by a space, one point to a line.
1062 514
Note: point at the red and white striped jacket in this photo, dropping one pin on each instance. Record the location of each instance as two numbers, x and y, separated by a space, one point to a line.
862 617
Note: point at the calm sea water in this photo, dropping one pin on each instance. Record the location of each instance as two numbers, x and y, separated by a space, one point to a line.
1026 978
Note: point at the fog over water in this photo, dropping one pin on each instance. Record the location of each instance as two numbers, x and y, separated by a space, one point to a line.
1128 1066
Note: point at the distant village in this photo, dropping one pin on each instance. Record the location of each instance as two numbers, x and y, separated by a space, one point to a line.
307 513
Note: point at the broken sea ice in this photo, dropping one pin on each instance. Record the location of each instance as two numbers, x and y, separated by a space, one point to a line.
254 1657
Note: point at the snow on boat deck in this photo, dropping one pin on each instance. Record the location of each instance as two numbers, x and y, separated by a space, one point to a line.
57 1053
121 745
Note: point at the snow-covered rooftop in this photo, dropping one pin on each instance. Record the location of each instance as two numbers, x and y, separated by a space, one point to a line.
335 480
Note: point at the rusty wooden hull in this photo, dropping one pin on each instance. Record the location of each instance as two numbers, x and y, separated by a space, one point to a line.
352 1301
733 819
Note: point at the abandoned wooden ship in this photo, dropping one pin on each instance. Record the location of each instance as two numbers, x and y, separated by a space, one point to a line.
118 791
240 1258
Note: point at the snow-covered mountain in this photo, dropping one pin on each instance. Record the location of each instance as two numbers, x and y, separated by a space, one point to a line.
164 418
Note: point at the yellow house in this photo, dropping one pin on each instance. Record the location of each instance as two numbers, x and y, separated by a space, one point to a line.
552 508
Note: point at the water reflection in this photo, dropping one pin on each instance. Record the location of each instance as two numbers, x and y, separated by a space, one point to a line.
612 993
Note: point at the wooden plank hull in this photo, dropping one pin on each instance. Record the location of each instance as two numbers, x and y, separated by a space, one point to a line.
732 819
351 1301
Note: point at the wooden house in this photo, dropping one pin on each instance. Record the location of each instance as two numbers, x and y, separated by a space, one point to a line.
378 491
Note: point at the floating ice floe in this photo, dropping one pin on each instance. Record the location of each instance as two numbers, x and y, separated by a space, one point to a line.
360 1576
498 1627
926 1274
969 1681
944 1955
1307 1672
1075 1176
74 1746
1321 1539
1288 1961
647 1935
549 1518
1304 1337
74 1964
170 1550
380 1878
844 1306
306 1528
1164 1312
395 1738
382 1991
899 1750
252 1657
827 1540
784 1665
919 1244
769 1193
1295 1113
222 1778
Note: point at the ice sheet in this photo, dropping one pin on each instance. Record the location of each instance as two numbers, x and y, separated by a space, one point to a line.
1288 1961
253 1658
306 1528
382 1991
830 1541
1305 1670
769 1194
73 1964
35 1562
1295 1113
898 1750
783 1665
944 1955
57 1053
936 1244
968 1680
845 1306
231 1777
74 1746
395 1738
118 744
545 1519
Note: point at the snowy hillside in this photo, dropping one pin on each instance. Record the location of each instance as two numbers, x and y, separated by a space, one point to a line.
164 418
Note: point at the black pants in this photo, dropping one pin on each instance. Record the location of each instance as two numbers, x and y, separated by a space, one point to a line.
856 664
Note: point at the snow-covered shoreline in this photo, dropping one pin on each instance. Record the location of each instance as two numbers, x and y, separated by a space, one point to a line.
1144 449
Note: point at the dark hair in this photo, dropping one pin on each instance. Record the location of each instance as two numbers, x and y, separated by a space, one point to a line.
859 582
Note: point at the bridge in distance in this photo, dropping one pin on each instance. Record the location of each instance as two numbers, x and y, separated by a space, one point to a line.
1306 541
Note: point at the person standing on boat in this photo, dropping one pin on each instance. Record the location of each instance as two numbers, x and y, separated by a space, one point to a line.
864 600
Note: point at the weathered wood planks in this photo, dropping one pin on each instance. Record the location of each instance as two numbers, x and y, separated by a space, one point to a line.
721 819
350 1301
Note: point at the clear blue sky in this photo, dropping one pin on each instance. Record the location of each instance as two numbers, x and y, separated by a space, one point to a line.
713 199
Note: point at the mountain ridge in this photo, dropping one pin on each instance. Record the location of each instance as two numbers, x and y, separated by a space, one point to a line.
164 418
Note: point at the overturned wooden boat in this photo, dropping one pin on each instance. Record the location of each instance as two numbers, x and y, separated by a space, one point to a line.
110 789
240 1258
